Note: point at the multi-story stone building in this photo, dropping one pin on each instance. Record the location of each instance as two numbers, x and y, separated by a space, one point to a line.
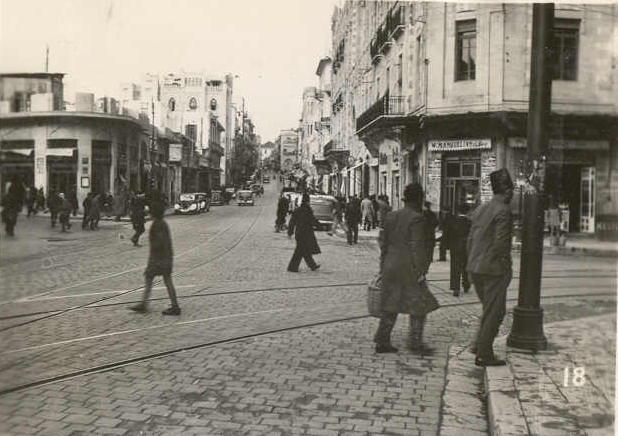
287 143
314 128
443 100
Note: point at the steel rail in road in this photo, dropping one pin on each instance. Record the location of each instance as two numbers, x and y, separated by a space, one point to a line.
121 363
200 294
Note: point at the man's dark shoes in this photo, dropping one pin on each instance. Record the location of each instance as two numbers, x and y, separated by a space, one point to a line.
489 362
292 270
315 268
172 311
140 308
386 349
456 293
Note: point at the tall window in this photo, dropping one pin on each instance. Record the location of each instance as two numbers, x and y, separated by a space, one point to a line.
465 50
566 46
388 79
193 103
171 104
191 132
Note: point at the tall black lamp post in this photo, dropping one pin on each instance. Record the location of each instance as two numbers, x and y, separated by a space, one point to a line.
527 330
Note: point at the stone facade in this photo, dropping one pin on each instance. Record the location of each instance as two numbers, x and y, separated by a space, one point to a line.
402 80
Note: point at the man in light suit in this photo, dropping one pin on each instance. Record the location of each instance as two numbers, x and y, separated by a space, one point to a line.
489 263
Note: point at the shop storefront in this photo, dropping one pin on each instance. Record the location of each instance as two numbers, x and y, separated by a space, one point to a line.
571 179
17 161
457 172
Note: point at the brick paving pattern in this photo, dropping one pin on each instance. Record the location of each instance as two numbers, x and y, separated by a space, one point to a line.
324 379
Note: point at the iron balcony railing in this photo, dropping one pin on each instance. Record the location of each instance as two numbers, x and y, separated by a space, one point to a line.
385 106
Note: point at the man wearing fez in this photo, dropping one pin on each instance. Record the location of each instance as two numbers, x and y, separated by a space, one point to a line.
489 263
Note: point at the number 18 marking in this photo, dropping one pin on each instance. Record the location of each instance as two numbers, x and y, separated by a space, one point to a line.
578 379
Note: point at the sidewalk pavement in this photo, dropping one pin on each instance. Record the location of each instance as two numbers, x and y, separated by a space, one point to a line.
576 245
568 389
105 217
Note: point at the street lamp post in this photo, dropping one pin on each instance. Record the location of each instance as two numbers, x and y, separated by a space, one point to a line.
527 329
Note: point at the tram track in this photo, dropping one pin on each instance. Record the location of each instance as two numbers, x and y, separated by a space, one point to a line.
135 289
200 294
110 366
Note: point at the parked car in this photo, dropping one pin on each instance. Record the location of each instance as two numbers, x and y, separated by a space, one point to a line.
245 197
192 203
217 198
231 192
322 206
266 180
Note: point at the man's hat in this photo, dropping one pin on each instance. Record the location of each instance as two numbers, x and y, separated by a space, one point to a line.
500 181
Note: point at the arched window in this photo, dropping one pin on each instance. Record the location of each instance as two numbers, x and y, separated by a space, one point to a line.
171 104
193 103
213 104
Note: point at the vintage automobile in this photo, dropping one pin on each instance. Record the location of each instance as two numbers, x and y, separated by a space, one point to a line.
231 192
192 203
266 180
257 189
322 206
217 198
244 198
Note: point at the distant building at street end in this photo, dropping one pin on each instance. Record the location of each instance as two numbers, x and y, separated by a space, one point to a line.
267 150
198 105
287 142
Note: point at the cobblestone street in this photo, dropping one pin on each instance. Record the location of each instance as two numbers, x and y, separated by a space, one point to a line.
257 350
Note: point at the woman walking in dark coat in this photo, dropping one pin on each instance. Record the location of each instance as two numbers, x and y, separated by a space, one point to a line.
303 222
403 265
160 260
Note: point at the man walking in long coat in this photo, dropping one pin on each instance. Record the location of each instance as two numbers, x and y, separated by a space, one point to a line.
138 218
403 265
352 219
489 263
303 222
282 210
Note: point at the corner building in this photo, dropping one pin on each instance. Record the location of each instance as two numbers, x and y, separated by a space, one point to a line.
444 101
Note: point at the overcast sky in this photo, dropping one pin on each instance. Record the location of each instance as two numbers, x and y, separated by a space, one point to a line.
273 45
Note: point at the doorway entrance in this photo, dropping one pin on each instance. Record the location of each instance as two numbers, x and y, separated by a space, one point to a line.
461 185
62 174
573 186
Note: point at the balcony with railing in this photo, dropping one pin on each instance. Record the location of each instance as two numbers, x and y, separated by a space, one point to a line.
386 107
334 153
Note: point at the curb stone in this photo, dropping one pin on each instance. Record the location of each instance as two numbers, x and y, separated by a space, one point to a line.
504 411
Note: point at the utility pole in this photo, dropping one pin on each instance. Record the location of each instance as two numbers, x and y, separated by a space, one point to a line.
47 58
527 329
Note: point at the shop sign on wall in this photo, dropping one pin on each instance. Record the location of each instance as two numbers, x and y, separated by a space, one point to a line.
175 152
434 172
488 165
459 144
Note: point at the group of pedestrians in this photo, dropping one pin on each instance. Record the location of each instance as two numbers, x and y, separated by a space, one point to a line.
480 244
